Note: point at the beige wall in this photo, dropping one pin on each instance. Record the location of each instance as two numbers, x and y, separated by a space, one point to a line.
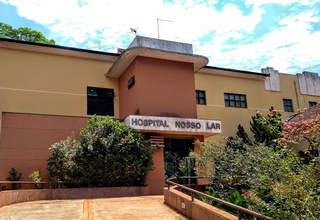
257 99
40 83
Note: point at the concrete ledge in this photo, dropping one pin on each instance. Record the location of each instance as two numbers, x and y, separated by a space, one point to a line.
196 210
18 196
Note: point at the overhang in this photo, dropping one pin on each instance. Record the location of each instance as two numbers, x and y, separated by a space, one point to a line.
125 59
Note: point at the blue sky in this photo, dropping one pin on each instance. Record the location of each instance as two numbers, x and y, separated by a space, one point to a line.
246 35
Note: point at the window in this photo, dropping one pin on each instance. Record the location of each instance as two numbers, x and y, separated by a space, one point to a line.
235 100
201 97
312 104
100 101
131 82
287 104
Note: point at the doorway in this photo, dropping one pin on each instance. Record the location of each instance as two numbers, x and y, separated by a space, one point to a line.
176 152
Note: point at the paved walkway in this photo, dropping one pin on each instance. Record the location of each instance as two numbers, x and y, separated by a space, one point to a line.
146 207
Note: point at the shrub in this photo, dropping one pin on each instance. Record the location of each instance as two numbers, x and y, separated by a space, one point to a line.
36 178
278 183
14 176
107 154
267 129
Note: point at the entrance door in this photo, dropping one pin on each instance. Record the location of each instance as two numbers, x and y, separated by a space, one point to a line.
176 151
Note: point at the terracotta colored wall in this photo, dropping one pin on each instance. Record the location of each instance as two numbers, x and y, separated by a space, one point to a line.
129 100
156 178
18 196
162 88
26 139
156 181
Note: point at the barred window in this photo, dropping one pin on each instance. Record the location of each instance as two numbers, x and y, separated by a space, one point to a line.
287 104
235 100
312 104
201 97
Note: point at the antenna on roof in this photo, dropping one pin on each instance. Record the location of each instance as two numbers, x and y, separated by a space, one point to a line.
158 19
134 30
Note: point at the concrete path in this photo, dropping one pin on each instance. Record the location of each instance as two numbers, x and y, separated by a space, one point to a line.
146 207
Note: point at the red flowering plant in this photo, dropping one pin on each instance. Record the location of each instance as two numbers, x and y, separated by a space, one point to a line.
302 130
295 132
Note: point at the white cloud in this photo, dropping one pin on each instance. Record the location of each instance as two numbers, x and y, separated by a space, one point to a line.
290 49
303 17
108 22
279 2
189 22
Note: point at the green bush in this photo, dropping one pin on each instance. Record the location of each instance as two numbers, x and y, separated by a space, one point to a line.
275 183
36 178
271 178
267 129
14 176
107 154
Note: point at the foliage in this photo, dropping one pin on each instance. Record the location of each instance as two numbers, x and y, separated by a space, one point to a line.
236 143
242 134
176 166
209 201
294 189
303 130
171 164
61 164
36 178
24 34
266 129
107 154
233 197
14 176
271 177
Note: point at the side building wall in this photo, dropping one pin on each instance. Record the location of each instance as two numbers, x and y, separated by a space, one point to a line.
257 96
43 98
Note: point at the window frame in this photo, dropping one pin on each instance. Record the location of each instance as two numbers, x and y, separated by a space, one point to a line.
199 98
311 104
232 98
286 106
131 82
96 99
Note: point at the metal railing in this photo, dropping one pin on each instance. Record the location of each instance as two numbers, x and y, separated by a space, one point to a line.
192 192
20 183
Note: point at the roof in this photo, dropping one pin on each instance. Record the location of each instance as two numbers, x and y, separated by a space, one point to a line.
107 56
309 114
56 49
125 59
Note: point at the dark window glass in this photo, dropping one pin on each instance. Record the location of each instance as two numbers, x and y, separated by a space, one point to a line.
235 100
131 82
201 97
100 101
312 104
287 104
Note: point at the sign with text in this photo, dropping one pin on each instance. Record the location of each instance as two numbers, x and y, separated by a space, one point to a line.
172 124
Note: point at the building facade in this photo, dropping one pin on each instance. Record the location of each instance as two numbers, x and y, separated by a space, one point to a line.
159 87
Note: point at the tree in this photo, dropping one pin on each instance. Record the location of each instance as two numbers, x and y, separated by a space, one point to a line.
107 154
24 34
266 129
275 183
241 133
303 130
